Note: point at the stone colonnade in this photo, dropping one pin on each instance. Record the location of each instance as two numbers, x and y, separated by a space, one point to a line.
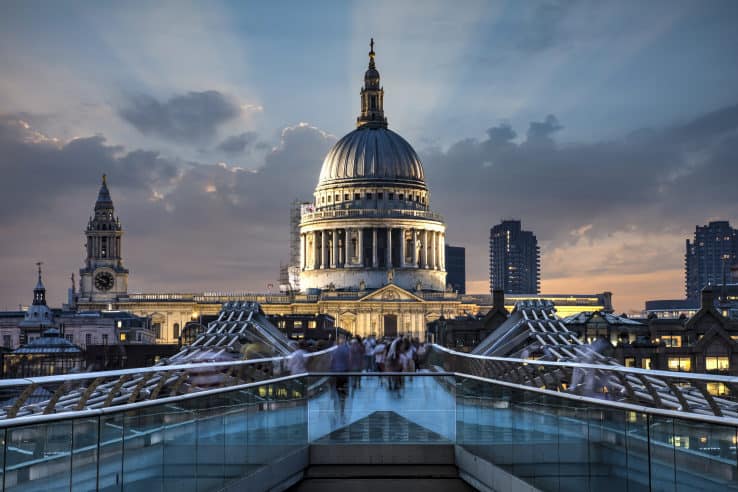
372 247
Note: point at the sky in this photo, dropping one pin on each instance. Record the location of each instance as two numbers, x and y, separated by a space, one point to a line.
609 128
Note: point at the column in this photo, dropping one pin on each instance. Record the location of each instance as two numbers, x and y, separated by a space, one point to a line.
334 237
316 252
346 237
375 260
402 247
302 251
325 252
389 248
424 251
360 245
442 250
415 248
434 263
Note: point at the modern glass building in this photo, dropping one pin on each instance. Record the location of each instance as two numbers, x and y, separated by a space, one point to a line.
709 256
514 259
456 268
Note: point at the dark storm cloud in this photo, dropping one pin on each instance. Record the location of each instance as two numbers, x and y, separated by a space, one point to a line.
188 225
192 116
651 181
196 226
236 144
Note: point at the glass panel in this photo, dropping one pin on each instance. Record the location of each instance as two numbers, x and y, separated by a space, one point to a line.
210 453
2 460
662 445
38 457
84 454
484 421
383 409
110 456
236 439
706 459
636 444
608 450
142 449
180 447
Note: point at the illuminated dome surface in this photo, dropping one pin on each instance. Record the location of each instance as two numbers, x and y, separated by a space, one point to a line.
371 153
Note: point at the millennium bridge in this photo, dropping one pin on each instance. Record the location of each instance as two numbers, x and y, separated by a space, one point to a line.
532 408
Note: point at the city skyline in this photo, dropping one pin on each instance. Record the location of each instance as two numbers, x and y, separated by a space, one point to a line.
211 195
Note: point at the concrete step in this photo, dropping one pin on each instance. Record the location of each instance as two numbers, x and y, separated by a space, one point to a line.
387 478
382 471
382 484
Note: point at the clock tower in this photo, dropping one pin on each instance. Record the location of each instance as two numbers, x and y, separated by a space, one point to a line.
103 278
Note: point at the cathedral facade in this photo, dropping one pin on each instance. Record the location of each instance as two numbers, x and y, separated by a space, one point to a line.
371 249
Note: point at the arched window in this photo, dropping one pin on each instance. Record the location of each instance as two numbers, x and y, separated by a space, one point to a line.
176 330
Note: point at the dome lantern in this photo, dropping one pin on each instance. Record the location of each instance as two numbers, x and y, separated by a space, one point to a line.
372 97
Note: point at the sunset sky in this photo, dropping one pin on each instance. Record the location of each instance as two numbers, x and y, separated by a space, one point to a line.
609 128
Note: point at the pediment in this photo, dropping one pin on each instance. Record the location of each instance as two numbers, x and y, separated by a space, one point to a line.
391 293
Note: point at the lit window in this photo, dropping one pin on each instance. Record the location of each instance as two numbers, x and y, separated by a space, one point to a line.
717 389
312 324
297 324
717 363
646 363
630 362
123 337
679 364
672 340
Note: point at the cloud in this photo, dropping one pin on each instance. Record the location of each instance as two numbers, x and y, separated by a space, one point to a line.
541 132
606 211
189 225
191 116
236 144
588 202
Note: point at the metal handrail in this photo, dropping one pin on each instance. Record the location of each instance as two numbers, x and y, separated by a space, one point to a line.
36 419
143 370
602 367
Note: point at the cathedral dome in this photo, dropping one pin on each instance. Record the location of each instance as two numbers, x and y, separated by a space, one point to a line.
371 153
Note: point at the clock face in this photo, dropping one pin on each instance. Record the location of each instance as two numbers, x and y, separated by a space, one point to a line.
104 281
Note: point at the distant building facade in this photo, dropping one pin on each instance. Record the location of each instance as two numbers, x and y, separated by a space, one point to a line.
514 259
706 342
710 256
456 268
80 328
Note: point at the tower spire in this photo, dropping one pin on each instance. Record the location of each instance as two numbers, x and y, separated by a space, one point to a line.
371 54
39 292
372 96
